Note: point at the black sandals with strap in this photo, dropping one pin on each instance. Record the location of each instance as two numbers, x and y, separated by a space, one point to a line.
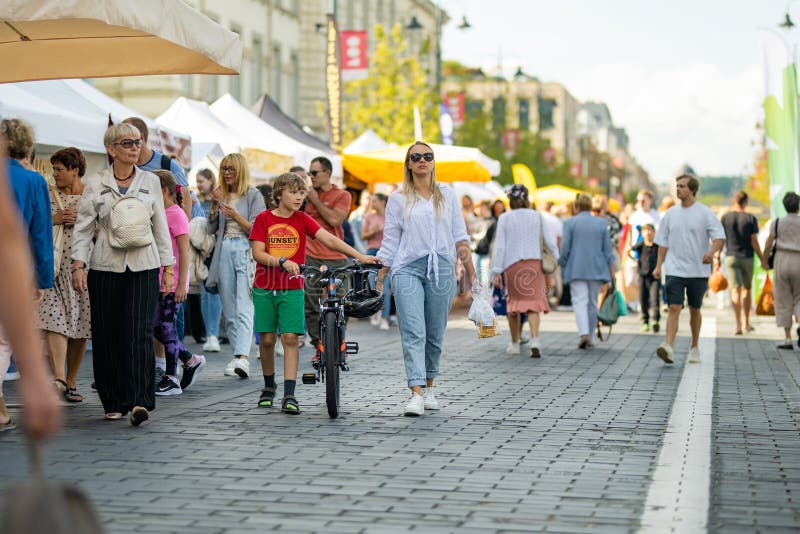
290 406
266 398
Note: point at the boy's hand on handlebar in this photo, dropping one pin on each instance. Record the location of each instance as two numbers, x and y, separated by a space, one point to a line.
367 259
291 267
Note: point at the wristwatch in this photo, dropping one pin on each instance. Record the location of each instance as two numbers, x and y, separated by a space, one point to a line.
281 261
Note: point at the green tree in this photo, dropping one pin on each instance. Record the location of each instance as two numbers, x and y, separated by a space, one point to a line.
478 131
384 101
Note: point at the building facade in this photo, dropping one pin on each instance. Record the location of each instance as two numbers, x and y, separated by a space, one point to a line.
525 104
284 53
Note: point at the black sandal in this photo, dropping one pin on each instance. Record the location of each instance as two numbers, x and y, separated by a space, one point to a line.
58 383
72 395
290 406
266 398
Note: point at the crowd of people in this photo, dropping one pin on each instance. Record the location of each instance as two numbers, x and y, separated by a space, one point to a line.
130 257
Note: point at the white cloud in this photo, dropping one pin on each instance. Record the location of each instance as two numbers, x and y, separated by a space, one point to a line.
692 113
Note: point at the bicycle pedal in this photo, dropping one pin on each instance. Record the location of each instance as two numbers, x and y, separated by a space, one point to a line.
351 347
309 378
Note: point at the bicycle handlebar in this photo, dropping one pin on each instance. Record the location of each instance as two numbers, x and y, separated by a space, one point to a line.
353 267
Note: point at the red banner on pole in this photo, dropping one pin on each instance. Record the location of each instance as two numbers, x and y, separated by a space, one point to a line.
455 105
353 46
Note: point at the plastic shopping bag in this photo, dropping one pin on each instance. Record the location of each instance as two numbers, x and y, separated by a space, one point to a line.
481 312
766 300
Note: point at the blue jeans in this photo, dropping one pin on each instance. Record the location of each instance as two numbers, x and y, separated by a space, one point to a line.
234 292
387 289
423 306
212 311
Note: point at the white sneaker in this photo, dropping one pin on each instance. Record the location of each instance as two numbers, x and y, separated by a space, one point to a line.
415 406
375 320
664 352
229 369
694 355
512 348
429 399
211 344
384 325
523 339
241 366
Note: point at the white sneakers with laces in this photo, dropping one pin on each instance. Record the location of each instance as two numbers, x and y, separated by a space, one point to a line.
429 399
211 344
415 406
664 352
238 367
694 355
512 348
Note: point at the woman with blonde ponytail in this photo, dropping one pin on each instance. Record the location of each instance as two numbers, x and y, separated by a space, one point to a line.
423 235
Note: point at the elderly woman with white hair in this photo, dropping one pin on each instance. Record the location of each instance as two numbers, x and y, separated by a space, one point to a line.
121 273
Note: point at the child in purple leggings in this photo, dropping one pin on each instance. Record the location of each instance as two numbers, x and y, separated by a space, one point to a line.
169 303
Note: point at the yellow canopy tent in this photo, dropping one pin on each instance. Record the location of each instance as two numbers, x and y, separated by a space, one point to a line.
453 164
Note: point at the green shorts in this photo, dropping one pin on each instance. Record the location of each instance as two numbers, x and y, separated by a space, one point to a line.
281 310
740 271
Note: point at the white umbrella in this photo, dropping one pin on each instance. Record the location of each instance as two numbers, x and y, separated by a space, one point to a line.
52 39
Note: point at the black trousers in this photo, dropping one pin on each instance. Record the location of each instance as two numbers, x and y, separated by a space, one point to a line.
193 317
650 297
123 306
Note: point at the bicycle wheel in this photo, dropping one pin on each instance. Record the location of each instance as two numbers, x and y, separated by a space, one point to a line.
330 342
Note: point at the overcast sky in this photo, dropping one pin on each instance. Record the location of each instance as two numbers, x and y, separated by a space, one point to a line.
684 77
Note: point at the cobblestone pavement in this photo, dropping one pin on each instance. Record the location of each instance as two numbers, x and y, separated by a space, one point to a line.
566 443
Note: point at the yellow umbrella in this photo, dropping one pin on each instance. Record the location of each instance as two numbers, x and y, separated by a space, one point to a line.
453 164
54 39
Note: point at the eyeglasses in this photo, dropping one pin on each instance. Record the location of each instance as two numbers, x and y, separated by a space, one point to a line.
227 169
416 157
129 143
315 173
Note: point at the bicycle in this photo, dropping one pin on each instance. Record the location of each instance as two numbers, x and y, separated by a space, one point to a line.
361 301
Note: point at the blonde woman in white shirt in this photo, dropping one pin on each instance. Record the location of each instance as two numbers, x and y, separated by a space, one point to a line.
517 265
423 235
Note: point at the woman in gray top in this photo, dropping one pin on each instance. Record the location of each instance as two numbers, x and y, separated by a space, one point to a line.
122 282
234 207
784 234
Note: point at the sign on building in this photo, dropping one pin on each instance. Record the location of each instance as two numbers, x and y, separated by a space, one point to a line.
354 55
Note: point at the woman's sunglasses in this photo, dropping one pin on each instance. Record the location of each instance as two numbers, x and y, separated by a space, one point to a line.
227 169
129 143
416 157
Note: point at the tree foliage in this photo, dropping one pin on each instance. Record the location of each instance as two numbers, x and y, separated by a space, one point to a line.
478 131
384 101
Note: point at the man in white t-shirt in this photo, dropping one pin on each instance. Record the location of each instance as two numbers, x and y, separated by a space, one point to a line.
688 238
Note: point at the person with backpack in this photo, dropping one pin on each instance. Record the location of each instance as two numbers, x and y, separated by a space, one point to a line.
121 274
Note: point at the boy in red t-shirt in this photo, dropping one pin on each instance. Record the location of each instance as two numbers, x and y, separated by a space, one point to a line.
278 242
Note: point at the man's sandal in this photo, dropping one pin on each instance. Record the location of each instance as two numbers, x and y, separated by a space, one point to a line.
290 406
266 398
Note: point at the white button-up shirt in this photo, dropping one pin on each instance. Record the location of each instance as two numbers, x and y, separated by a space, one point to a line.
415 231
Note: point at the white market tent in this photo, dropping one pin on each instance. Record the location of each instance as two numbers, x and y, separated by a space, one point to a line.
366 142
53 124
196 119
73 113
78 97
258 134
